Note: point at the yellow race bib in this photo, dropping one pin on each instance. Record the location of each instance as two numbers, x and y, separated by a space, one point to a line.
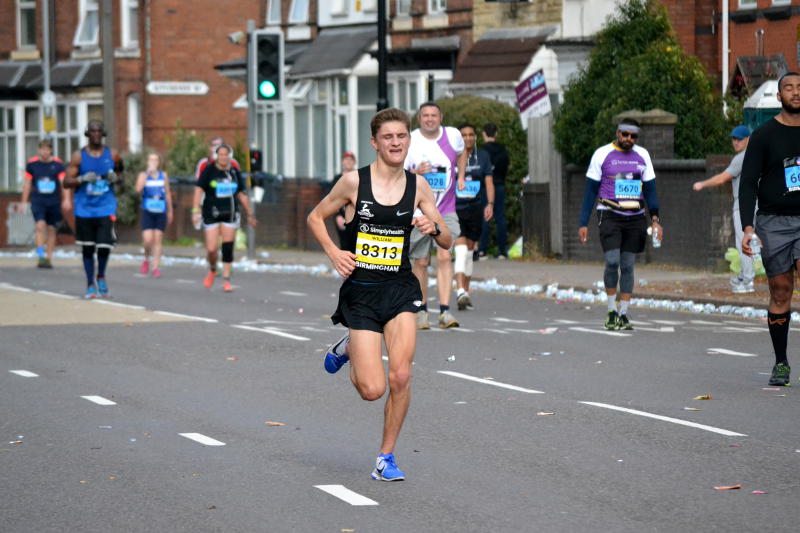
373 249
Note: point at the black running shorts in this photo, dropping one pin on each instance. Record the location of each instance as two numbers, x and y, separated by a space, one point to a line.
371 306
95 231
470 219
628 233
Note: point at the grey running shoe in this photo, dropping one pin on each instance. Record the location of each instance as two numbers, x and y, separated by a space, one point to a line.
447 320
780 375
422 320
743 287
464 301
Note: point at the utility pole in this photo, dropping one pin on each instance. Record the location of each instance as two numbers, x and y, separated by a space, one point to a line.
383 100
108 72
48 97
251 134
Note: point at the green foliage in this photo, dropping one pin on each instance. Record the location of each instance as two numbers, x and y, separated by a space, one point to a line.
478 111
184 149
639 64
128 200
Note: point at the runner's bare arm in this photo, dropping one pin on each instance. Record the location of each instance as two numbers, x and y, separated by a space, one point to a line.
461 165
71 179
342 194
248 209
140 180
430 215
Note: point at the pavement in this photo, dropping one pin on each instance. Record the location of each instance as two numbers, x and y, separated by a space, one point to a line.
652 280
170 407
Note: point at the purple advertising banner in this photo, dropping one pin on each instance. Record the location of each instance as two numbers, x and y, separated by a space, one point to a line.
531 90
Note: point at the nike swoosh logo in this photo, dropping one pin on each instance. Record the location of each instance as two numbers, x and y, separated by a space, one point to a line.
402 213
778 321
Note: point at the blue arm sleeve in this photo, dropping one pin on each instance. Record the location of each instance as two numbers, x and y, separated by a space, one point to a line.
651 197
592 188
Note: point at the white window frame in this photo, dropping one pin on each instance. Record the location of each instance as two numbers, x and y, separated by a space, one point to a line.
274 4
369 6
84 7
129 42
25 5
781 2
437 6
338 7
747 4
135 137
303 18
399 8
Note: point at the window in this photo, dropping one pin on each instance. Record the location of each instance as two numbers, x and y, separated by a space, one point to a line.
338 7
299 13
403 8
369 5
274 12
134 123
26 24
746 4
437 6
88 25
129 22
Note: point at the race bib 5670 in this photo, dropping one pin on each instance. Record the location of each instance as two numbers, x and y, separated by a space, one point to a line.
630 189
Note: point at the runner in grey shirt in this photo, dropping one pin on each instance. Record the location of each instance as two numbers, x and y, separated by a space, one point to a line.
739 137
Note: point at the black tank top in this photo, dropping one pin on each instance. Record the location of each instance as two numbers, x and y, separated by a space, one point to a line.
379 234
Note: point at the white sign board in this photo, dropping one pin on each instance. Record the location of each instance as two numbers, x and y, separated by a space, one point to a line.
532 98
184 88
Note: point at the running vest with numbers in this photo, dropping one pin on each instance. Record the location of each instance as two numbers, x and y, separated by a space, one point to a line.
379 234
96 199
154 195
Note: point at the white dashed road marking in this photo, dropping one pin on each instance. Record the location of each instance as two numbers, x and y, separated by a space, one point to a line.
58 295
509 320
345 494
602 332
723 351
293 293
99 400
667 419
190 317
489 382
14 288
24 373
663 329
202 439
273 331
117 304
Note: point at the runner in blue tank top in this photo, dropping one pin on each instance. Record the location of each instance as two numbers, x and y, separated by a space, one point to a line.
380 295
156 211
92 172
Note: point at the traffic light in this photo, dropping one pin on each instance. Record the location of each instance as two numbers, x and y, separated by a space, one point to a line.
256 164
266 65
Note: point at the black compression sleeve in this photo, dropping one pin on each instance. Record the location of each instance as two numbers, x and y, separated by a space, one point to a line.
651 197
592 188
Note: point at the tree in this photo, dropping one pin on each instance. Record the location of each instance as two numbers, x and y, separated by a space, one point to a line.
638 63
478 111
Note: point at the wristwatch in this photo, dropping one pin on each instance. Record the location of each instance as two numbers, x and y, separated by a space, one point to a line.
438 230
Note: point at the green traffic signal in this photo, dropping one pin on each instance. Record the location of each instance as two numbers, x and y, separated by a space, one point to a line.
267 89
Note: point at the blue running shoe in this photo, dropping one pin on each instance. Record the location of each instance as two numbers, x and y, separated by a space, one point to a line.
102 287
386 469
91 292
337 356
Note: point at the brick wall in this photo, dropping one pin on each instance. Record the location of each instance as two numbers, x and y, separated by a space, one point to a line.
697 31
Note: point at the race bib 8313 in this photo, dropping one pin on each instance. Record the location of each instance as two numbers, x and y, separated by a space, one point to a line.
377 246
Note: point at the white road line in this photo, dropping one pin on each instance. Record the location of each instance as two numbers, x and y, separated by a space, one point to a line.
663 329
723 351
511 320
202 439
345 494
58 295
15 288
502 332
706 323
563 321
117 304
313 329
99 400
670 322
272 331
641 323
667 419
293 293
602 332
463 330
24 373
190 317
750 329
545 331
489 382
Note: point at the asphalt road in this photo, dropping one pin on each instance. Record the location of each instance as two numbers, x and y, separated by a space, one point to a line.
620 451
